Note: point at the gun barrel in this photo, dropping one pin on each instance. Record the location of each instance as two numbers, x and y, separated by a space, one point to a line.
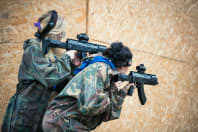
84 46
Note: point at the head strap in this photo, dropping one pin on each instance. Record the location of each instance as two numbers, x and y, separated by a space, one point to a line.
51 24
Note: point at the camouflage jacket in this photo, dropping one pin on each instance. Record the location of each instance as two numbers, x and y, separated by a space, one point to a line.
89 97
37 74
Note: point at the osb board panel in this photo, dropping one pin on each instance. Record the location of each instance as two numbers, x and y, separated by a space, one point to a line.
17 18
10 53
170 51
166 28
171 106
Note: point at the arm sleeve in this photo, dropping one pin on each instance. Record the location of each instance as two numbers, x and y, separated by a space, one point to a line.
45 72
116 101
93 100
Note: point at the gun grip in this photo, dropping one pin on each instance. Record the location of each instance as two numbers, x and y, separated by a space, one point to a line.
130 91
82 54
141 94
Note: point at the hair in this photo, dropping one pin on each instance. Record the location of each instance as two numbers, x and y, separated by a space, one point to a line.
58 31
119 54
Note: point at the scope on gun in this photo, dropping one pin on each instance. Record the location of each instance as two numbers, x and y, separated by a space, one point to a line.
82 37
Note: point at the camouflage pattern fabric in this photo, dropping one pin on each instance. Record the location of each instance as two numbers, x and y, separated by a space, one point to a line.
87 100
36 76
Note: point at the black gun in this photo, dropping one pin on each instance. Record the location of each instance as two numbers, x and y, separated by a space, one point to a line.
81 45
139 78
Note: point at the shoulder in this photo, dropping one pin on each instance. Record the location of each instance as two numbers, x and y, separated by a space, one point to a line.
99 66
99 69
32 45
104 67
29 43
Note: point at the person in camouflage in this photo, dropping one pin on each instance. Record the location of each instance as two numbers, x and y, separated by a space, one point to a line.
90 97
38 74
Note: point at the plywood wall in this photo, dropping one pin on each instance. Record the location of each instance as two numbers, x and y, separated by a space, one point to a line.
162 34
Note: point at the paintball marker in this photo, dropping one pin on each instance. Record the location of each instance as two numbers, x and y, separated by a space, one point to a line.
139 78
81 45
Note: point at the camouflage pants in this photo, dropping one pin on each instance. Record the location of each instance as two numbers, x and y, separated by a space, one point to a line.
54 122
19 119
25 113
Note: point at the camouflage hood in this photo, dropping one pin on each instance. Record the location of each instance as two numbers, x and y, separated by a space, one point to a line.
31 42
